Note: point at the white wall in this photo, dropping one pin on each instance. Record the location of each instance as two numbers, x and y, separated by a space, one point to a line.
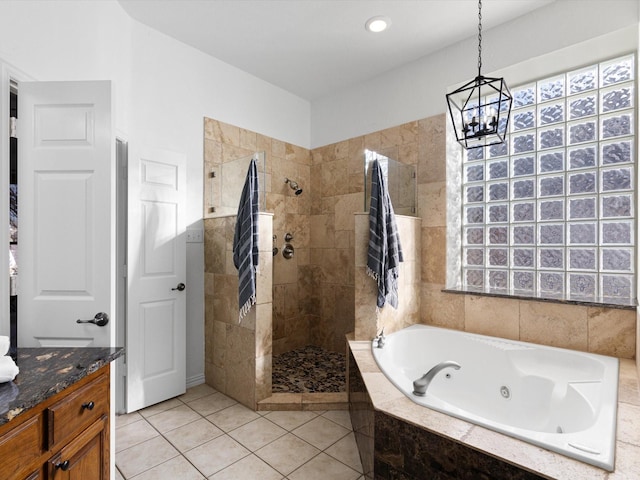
174 88
162 91
417 90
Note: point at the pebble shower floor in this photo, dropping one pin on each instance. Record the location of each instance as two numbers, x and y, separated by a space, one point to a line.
309 369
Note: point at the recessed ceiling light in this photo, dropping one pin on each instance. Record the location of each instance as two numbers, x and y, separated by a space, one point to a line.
377 24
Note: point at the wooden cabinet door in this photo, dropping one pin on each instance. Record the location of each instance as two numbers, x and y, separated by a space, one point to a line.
86 457
21 449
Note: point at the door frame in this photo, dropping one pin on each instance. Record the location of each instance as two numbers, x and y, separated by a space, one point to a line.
8 74
122 287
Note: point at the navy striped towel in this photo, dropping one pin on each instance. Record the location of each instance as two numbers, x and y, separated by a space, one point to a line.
385 251
245 241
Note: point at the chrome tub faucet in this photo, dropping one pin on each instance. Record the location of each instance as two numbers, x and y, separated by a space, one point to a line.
420 385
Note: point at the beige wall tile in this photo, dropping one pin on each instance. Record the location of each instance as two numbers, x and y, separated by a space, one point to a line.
441 309
225 302
432 204
434 246
409 233
264 367
554 324
361 239
498 317
612 331
264 330
345 208
248 139
240 367
322 231
365 305
432 154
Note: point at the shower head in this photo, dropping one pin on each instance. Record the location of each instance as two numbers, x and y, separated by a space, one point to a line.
294 186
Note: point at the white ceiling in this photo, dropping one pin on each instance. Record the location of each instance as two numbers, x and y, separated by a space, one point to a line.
312 48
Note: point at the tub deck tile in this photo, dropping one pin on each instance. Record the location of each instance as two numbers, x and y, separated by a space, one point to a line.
389 400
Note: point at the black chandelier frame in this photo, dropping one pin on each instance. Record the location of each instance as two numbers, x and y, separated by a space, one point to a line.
480 109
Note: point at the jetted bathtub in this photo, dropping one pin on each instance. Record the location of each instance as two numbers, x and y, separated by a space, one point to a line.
558 399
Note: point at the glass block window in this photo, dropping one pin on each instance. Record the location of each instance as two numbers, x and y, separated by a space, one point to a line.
550 213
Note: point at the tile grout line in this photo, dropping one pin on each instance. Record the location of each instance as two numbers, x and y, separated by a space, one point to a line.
181 454
251 452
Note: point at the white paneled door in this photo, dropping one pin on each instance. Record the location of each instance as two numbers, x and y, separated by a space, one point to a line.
67 214
156 329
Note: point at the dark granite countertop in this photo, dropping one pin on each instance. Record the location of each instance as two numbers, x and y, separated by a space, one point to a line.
47 371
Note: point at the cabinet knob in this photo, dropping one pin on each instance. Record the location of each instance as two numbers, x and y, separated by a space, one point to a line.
64 466
88 405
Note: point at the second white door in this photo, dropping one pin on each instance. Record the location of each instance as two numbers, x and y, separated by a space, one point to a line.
156 312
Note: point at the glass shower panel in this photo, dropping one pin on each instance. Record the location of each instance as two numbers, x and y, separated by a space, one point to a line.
226 182
401 183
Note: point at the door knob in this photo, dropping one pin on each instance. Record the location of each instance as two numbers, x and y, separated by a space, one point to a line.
101 319
180 287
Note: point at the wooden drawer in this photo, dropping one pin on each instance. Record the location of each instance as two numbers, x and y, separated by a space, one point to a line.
21 448
78 410
84 458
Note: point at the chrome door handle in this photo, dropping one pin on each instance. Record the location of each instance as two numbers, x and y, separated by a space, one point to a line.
180 287
101 319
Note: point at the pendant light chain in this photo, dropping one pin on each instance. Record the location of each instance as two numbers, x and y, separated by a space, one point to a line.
480 109
479 37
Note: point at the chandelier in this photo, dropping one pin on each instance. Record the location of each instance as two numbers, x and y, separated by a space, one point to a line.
480 109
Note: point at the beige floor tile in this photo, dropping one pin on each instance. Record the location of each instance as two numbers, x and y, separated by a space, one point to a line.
127 418
250 467
232 417
257 434
323 467
160 407
287 453
346 450
321 432
119 475
133 434
176 468
144 456
193 434
174 418
290 420
341 417
196 392
211 404
216 455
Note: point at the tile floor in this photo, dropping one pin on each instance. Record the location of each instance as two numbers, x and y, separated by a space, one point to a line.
204 434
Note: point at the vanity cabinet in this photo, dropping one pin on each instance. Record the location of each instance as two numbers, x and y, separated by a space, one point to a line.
65 437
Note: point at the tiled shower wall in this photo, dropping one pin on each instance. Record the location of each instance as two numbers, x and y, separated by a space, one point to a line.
237 353
292 309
